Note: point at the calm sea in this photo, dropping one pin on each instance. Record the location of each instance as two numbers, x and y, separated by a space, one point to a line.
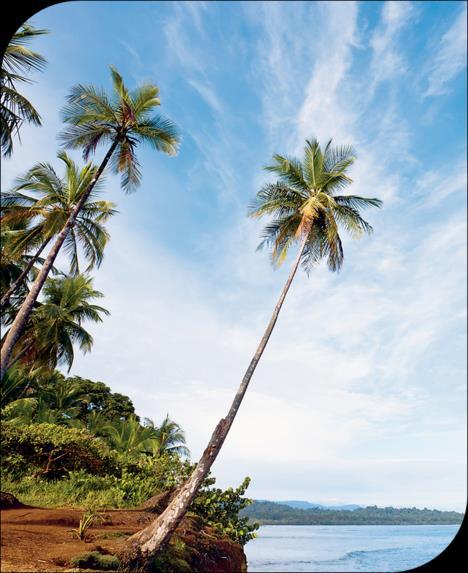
346 547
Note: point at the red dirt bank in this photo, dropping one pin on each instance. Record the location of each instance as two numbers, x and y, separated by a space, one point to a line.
37 539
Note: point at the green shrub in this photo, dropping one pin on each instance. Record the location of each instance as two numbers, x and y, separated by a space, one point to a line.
96 560
52 451
221 510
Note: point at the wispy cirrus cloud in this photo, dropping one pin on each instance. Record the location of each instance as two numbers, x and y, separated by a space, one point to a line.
386 42
205 90
450 57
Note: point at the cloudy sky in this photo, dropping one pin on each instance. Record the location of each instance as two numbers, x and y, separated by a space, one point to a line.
360 396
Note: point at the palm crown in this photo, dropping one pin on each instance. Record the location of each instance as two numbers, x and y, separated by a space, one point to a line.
306 207
126 118
57 323
48 205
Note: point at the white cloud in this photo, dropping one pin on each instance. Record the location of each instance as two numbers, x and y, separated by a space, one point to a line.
207 93
387 61
450 58
323 113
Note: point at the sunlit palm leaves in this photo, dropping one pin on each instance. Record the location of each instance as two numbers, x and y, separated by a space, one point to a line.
94 118
15 109
45 199
130 437
305 204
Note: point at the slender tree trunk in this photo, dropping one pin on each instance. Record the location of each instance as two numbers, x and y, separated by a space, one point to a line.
23 275
23 314
147 542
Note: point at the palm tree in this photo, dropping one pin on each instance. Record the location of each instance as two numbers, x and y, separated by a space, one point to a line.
306 210
171 437
123 121
14 107
129 437
96 423
48 206
56 325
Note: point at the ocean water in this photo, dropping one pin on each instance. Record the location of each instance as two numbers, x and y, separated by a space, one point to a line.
346 547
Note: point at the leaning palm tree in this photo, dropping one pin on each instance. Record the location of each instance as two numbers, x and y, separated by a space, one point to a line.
122 121
15 109
307 210
56 324
47 205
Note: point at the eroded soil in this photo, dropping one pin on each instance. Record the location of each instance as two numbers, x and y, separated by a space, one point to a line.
40 539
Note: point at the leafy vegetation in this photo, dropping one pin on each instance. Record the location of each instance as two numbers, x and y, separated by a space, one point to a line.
122 120
270 513
73 442
15 109
221 509
85 523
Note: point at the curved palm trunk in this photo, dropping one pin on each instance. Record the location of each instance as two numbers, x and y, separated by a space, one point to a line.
23 275
152 538
23 314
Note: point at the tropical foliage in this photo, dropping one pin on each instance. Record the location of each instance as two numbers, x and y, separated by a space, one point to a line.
305 203
15 109
41 203
123 120
70 441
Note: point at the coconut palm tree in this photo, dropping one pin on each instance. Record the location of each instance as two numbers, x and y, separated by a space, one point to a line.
307 211
122 121
47 206
56 325
15 109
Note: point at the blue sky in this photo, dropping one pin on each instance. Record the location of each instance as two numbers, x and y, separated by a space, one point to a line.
360 396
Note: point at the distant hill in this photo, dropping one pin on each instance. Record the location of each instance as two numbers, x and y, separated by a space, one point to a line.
310 505
274 513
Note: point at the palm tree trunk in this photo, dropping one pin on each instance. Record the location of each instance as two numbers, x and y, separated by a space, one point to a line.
23 275
23 314
147 542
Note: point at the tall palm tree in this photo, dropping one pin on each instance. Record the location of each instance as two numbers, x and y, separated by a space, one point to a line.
308 211
47 205
15 109
56 325
122 121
